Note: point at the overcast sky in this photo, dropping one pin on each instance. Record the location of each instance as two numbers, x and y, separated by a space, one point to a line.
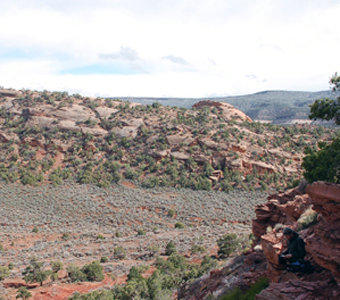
169 48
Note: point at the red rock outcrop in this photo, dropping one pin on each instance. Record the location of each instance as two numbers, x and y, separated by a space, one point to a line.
272 247
284 208
324 242
236 272
301 290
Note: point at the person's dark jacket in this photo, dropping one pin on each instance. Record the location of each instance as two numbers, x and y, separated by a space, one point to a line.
296 247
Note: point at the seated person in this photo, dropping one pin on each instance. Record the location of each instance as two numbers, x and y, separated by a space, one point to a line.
296 247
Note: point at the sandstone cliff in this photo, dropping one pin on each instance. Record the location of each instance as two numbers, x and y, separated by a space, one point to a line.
322 245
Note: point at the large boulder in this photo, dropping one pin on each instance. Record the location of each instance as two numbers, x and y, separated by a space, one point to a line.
180 155
75 113
126 131
106 112
8 93
41 122
176 139
68 125
97 131
137 122
206 142
158 154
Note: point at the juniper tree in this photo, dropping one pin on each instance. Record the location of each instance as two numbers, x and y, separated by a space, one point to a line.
323 164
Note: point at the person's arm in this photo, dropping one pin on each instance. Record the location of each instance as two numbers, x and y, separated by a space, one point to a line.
285 252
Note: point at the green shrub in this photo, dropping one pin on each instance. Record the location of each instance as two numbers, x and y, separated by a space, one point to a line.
197 248
1 248
141 232
75 274
35 229
179 225
170 248
23 293
153 249
95 295
119 253
54 277
4 272
100 237
56 266
171 213
117 234
28 178
104 259
228 244
93 271
10 266
150 182
66 236
207 264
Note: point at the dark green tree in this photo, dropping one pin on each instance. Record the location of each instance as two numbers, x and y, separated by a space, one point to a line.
35 272
328 109
324 163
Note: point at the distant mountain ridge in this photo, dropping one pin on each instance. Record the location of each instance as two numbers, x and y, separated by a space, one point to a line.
278 107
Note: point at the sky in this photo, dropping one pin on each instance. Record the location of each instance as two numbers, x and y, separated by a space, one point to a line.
169 48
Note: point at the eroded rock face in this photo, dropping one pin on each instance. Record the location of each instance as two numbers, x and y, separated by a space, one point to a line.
300 290
272 247
324 242
323 249
285 208
236 272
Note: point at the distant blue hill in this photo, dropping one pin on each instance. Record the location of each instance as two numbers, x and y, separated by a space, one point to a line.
275 106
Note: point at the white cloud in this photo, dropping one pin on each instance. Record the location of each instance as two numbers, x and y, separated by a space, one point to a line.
125 53
175 59
180 48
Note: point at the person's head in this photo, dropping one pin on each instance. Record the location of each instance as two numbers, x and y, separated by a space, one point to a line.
288 233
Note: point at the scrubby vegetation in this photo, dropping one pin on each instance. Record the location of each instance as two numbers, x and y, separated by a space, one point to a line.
169 274
102 141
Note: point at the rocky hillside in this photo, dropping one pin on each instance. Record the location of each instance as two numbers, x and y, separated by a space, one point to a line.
53 136
315 214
